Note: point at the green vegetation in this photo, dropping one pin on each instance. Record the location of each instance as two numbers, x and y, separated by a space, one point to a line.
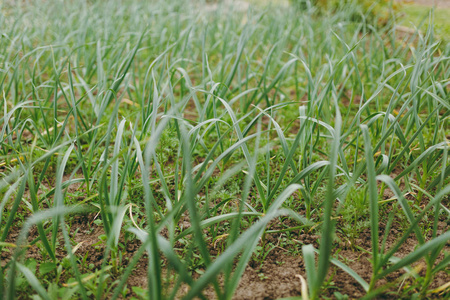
415 15
153 149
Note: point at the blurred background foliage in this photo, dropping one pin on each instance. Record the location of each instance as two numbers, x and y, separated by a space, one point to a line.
368 10
408 13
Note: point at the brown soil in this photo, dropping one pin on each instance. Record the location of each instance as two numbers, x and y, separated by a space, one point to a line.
276 277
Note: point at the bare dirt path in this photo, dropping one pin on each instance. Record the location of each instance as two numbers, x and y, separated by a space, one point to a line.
438 3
